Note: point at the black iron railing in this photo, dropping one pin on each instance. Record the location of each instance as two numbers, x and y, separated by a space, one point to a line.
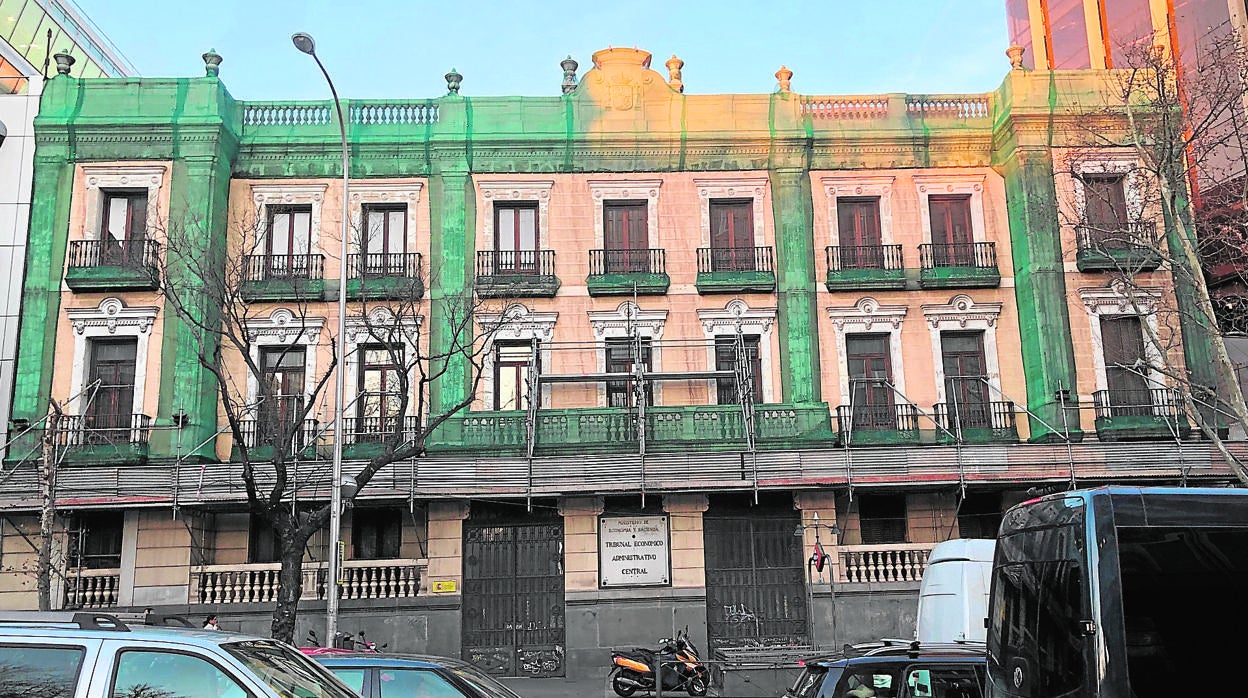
627 261
103 429
384 265
516 262
979 255
283 267
842 257
879 416
377 429
1124 236
713 259
1137 402
995 415
138 254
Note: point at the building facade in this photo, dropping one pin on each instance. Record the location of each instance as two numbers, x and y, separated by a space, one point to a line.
722 329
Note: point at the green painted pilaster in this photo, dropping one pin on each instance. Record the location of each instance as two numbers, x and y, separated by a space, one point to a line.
1197 330
793 210
41 292
1040 290
452 204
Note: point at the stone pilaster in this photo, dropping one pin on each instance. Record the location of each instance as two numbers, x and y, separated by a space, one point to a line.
446 544
822 503
580 542
687 544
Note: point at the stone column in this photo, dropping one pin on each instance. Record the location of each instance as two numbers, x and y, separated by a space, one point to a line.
687 545
795 284
446 545
580 542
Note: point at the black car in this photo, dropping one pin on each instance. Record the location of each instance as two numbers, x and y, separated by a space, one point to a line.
412 676
894 669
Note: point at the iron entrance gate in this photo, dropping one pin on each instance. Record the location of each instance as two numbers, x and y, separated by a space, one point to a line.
513 598
755 585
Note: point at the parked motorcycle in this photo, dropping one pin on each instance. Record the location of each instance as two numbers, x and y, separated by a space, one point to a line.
634 670
347 641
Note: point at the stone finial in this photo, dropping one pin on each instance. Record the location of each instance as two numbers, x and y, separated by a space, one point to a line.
64 62
453 81
212 63
1015 54
674 65
785 76
569 74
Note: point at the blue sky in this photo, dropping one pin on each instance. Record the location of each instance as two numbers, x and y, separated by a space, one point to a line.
401 49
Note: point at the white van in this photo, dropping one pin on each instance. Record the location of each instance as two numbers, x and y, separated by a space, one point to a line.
953 597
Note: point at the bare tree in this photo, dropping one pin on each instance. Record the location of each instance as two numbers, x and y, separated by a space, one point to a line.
1183 128
271 418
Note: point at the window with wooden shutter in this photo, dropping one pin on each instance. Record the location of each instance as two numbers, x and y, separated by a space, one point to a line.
953 240
726 360
625 236
882 518
620 360
1126 364
966 388
858 223
1105 209
732 235
869 360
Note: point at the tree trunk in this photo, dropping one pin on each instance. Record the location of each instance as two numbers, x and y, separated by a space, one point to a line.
47 507
290 589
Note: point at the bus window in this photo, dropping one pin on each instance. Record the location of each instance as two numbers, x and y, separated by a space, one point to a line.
1177 587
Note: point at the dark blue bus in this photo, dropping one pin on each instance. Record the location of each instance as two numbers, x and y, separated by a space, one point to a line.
1120 592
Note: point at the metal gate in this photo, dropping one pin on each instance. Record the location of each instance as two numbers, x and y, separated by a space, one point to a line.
513 617
755 588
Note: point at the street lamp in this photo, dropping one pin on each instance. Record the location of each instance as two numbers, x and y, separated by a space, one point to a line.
306 44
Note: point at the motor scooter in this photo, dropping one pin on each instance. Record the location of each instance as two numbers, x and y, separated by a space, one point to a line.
677 659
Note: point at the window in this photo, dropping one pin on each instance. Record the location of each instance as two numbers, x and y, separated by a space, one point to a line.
870 365
726 360
264 545
625 236
39 670
112 371
620 354
878 683
952 236
515 238
376 534
1105 209
945 682
511 374
1126 365
354 678
286 671
882 518
859 228
966 386
384 240
979 515
732 235
282 370
288 241
1066 34
149 673
124 226
95 540
380 388
404 683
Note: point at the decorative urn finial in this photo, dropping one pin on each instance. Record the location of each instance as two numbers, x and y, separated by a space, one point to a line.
569 66
64 62
1016 57
674 65
785 77
453 81
212 63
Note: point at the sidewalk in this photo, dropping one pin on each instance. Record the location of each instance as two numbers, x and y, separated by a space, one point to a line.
560 688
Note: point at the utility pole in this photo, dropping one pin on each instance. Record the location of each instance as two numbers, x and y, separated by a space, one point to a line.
47 506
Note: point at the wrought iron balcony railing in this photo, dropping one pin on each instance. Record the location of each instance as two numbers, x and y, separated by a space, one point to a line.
847 257
977 255
377 429
1136 234
642 261
735 259
997 416
103 429
384 265
515 263
1141 402
278 267
885 416
135 254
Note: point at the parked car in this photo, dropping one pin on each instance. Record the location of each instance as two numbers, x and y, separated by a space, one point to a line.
894 669
97 655
375 675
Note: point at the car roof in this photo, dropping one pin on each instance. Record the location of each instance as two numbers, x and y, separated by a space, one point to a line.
185 636
374 659
901 652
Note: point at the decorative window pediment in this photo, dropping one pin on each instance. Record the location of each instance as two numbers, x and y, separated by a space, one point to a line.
101 177
621 321
868 316
737 315
952 184
111 319
515 190
1116 300
963 313
383 192
515 323
626 190
853 185
313 195
282 325
754 188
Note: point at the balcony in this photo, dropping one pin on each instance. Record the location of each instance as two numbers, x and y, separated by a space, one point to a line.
865 267
625 272
976 422
736 270
961 265
113 265
1139 414
884 424
365 438
259 436
614 430
516 274
119 439
91 588
1132 248
385 276
885 562
257 583
292 277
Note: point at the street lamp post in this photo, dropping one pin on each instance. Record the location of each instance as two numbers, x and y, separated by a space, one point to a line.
305 44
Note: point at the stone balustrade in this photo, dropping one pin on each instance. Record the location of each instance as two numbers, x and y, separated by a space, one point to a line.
258 583
86 588
896 562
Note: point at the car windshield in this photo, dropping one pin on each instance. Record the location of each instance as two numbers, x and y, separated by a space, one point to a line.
487 685
286 671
